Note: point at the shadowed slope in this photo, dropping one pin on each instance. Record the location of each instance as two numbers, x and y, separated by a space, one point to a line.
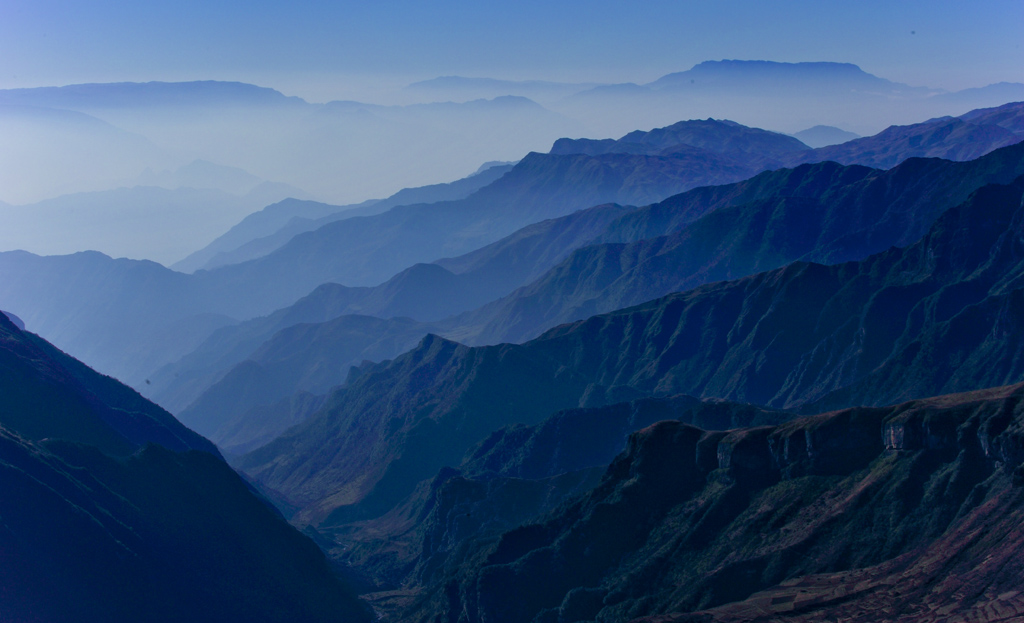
112 510
44 394
158 536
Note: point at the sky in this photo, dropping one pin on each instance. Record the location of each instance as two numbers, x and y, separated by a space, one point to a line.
323 50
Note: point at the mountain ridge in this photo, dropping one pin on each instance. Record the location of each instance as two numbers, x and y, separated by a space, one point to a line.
746 341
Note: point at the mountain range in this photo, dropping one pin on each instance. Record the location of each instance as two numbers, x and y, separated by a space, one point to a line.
526 514
272 227
698 373
140 222
92 137
747 340
824 212
178 311
166 315
783 96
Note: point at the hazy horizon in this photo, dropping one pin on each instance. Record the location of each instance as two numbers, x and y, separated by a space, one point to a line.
324 51
346 52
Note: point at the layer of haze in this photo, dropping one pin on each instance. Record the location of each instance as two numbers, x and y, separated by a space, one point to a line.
325 50
105 173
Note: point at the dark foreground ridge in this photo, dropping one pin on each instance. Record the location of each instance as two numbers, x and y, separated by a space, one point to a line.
113 511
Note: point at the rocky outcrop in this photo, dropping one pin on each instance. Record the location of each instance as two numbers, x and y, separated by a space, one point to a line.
686 519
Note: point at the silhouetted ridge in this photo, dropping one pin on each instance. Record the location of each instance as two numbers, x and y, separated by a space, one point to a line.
950 138
112 510
48 395
422 292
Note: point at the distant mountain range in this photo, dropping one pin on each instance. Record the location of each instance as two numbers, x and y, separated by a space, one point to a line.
140 222
725 78
781 96
63 140
458 88
613 258
106 96
53 152
170 313
269 229
78 138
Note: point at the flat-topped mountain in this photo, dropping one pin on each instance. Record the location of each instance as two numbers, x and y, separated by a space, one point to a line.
807 76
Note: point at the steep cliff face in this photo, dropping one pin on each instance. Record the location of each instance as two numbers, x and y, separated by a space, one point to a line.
515 476
685 519
576 439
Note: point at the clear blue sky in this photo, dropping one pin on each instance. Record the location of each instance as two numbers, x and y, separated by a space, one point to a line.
320 49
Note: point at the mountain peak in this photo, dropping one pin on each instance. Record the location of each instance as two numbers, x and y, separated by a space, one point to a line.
772 74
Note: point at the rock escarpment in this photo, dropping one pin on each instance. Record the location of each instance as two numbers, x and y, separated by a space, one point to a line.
685 519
